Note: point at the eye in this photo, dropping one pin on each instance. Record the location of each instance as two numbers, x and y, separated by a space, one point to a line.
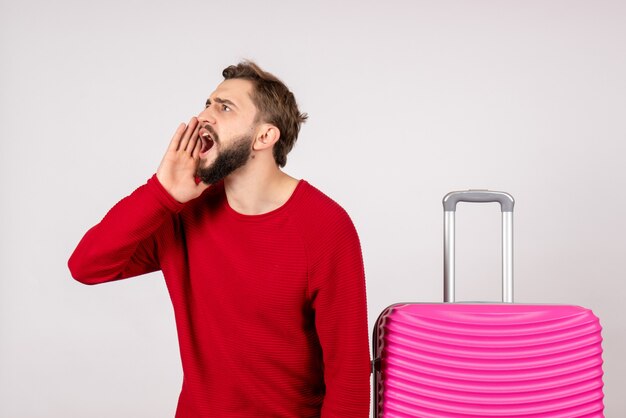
225 108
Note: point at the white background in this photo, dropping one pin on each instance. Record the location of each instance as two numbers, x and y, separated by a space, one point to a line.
407 101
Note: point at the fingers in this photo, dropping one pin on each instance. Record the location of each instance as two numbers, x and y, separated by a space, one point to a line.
195 152
191 128
176 138
182 135
193 140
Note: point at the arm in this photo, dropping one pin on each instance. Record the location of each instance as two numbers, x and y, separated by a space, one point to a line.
338 288
123 244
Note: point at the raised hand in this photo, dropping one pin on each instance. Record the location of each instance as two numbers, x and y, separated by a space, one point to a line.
177 172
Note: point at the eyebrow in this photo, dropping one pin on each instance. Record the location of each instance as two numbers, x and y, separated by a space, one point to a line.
222 101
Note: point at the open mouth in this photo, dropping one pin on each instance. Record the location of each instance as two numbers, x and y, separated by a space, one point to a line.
207 141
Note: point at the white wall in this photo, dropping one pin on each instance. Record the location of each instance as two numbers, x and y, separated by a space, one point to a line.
407 101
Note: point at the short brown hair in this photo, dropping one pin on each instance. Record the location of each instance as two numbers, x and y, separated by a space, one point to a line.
275 103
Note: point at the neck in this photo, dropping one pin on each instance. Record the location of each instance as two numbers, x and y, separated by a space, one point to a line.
255 189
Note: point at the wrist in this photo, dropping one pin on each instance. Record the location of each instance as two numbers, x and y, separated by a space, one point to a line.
164 195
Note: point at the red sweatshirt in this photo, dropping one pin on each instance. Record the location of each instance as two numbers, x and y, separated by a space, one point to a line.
270 309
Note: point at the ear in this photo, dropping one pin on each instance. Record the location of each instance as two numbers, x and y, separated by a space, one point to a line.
267 135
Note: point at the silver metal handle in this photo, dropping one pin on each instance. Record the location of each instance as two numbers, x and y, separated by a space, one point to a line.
482 196
479 196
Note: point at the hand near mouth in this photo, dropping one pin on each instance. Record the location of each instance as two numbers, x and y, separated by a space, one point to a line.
177 172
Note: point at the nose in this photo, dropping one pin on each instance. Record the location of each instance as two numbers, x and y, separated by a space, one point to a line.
207 115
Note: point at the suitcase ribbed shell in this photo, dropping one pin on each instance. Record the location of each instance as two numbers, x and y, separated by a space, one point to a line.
488 360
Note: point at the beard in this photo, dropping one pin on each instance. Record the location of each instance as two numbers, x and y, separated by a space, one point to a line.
227 161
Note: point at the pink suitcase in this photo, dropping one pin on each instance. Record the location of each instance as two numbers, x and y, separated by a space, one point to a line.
471 360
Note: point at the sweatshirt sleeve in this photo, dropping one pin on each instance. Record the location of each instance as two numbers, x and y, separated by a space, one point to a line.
337 286
123 244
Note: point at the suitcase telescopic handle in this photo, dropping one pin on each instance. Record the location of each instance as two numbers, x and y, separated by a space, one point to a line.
481 196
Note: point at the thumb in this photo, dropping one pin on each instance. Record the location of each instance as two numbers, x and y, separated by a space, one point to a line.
200 185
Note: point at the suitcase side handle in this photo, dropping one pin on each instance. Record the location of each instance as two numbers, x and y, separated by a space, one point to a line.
481 196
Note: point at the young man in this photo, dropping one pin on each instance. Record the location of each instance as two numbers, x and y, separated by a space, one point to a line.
264 271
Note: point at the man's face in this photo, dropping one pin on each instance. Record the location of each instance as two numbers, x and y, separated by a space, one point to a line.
227 130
